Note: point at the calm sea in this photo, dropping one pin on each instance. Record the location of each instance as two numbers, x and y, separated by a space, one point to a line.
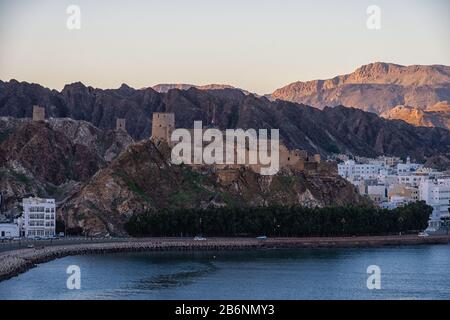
419 272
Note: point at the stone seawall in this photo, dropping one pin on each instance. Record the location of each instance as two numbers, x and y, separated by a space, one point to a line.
15 262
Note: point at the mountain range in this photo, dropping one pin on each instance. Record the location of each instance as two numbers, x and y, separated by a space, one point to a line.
376 87
327 131
412 91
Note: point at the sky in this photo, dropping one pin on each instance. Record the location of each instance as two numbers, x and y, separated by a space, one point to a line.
258 45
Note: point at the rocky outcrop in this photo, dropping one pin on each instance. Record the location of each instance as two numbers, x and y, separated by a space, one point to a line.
440 163
52 158
435 116
143 179
376 87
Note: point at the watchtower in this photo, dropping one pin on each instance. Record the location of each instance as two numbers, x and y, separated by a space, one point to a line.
120 124
163 124
38 113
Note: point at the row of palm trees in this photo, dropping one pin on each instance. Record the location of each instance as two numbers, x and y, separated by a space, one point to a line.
284 221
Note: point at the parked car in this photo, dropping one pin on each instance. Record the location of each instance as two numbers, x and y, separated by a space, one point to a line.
262 238
423 234
199 238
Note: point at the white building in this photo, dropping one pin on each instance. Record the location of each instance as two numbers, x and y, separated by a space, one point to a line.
436 193
411 180
9 230
39 217
396 202
351 170
408 167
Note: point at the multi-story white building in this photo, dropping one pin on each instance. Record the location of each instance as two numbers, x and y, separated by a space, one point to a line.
39 217
412 180
351 170
436 193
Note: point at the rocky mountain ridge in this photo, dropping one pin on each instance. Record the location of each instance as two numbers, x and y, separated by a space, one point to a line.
376 87
327 131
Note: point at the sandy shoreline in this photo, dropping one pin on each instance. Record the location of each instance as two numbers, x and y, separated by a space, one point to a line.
14 262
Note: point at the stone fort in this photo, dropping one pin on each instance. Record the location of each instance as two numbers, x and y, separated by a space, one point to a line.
163 124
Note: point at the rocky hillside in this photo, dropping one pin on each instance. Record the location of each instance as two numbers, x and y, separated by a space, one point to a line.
344 130
441 162
375 87
51 159
142 179
437 115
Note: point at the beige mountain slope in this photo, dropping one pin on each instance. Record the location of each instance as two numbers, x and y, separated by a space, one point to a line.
437 115
376 87
443 106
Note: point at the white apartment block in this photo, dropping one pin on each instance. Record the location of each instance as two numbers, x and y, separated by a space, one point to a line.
411 180
39 217
351 170
436 193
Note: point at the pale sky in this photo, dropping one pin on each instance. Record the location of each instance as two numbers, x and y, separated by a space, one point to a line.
258 45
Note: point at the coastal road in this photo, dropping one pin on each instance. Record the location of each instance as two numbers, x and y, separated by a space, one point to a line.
11 245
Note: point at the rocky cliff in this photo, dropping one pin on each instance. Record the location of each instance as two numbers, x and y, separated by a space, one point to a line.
52 158
437 115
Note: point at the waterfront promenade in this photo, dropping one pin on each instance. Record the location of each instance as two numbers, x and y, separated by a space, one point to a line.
18 260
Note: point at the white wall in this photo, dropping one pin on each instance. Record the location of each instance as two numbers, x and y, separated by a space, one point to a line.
9 230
